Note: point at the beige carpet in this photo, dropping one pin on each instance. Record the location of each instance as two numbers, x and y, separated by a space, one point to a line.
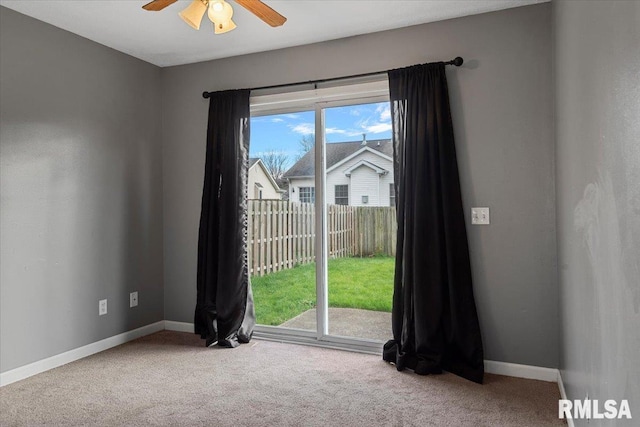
170 378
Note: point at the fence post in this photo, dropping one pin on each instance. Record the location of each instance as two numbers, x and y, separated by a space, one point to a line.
252 242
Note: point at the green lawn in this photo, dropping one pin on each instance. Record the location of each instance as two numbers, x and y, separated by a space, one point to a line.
365 283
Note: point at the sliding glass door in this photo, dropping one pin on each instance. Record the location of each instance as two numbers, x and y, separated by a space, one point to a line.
281 228
360 217
322 216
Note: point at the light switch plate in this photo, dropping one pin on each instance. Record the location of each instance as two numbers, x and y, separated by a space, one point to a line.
133 299
480 216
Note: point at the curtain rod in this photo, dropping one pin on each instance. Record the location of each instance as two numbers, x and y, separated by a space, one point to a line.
456 61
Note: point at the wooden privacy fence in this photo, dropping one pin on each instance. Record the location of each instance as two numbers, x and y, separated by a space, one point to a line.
281 234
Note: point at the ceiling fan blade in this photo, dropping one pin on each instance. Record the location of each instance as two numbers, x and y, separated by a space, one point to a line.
263 12
157 5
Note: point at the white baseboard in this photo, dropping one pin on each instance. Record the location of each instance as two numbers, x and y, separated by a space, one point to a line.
492 367
563 395
521 371
43 365
170 325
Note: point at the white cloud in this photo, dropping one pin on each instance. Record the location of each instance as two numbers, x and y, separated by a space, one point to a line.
374 125
277 120
334 130
270 151
304 128
292 116
385 114
378 128
355 132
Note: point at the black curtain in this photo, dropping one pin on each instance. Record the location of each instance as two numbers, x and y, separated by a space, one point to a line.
435 324
224 311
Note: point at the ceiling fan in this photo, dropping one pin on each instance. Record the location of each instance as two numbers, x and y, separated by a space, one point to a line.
219 12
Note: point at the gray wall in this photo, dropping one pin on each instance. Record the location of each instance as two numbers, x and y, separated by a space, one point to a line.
502 102
81 191
598 203
81 174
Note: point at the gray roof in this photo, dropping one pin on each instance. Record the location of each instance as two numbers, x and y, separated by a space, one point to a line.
335 153
253 160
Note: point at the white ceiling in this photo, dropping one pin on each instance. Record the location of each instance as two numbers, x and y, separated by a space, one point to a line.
162 38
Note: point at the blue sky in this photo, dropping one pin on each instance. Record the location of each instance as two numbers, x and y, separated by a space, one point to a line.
282 132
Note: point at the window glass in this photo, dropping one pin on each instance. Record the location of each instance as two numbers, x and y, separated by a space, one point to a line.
342 194
307 194
357 227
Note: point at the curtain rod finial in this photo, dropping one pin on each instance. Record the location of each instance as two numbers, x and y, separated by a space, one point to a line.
458 61
205 95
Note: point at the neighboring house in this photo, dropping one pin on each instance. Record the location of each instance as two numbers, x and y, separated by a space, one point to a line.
359 173
261 183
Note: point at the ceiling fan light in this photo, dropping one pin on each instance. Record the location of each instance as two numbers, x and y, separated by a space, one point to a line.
193 13
220 12
225 27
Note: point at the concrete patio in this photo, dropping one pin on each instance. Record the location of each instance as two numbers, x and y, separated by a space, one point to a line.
348 322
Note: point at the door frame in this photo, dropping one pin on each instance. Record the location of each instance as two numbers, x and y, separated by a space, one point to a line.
317 100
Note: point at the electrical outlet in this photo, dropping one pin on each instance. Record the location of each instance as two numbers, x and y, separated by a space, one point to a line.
102 307
133 299
480 216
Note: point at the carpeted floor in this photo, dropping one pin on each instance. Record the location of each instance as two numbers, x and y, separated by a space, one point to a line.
170 378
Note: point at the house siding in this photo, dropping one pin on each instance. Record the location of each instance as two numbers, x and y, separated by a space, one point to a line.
257 175
377 188
369 156
336 178
296 183
363 181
